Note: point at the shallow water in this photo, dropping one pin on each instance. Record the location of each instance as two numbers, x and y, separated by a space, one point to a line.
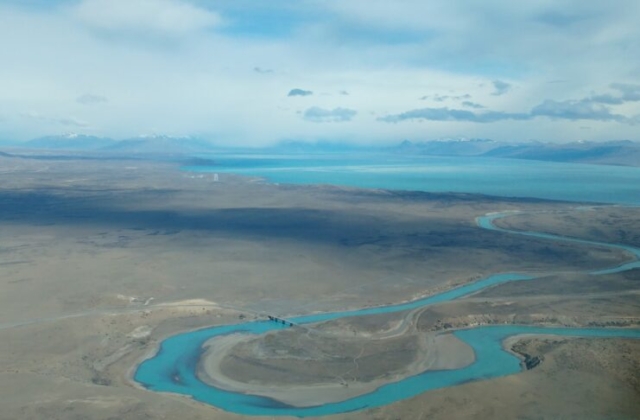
173 368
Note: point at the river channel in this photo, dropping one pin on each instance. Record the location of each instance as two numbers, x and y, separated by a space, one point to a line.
173 367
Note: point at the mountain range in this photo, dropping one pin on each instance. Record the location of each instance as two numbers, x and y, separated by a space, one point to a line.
618 152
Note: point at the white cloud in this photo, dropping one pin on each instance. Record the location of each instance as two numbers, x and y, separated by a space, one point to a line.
321 115
155 17
299 92
52 122
500 87
91 99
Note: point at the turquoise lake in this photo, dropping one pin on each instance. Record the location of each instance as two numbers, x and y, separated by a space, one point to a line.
501 177
173 368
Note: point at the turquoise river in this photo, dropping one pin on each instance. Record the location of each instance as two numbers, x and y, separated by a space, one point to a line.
173 367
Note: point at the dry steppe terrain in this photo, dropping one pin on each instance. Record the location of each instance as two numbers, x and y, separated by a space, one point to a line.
101 260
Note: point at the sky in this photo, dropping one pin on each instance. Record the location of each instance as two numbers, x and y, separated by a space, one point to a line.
256 72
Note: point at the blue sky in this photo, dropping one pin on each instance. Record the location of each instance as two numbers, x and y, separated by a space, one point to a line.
360 70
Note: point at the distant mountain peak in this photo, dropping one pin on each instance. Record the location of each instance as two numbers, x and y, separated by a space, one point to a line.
159 144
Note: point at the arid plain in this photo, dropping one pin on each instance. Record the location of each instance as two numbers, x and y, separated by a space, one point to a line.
102 259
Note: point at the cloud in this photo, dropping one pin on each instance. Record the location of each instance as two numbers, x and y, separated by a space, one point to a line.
605 98
470 104
576 110
624 93
262 71
442 98
596 107
73 122
559 19
299 92
91 99
630 93
316 114
500 87
571 110
64 121
446 114
145 17
193 73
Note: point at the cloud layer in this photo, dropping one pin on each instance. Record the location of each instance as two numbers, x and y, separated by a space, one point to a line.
224 71
299 92
500 87
91 99
317 114
145 17
593 108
